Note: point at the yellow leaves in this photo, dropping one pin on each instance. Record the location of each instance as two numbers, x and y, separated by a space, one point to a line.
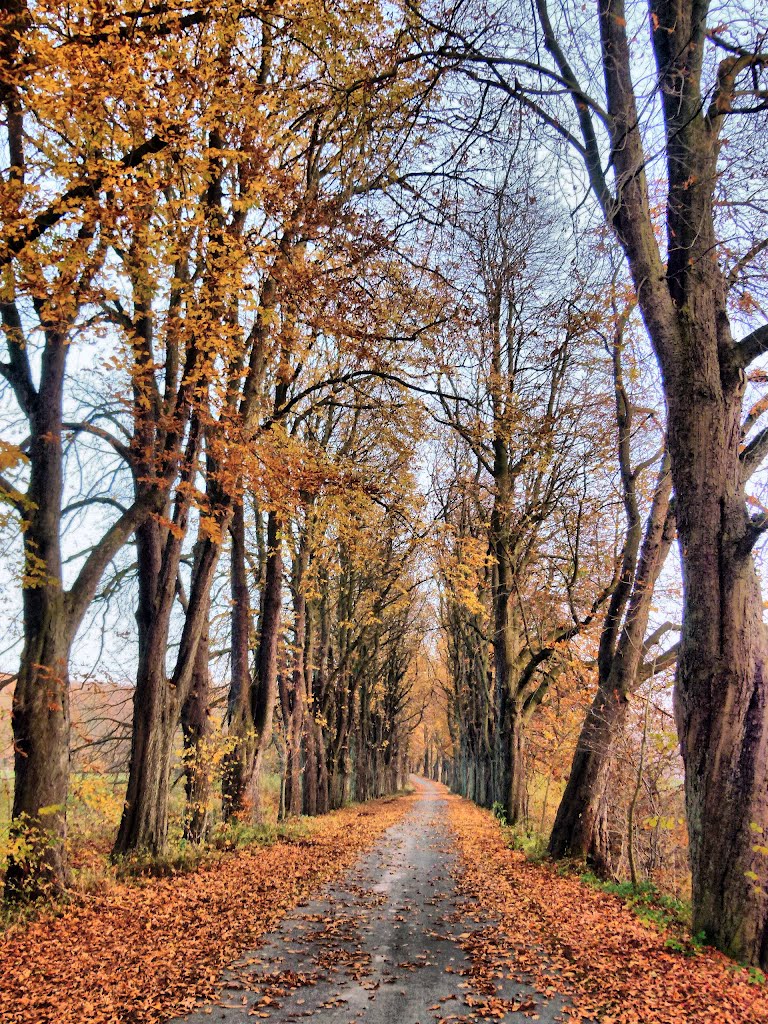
98 795
49 810
664 822
35 571
210 528
11 456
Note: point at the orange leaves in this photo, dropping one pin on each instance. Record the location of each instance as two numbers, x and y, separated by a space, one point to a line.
589 946
145 952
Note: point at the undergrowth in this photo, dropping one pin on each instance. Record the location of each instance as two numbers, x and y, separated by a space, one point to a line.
521 837
656 908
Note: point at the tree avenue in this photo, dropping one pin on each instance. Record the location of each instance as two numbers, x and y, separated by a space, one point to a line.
382 392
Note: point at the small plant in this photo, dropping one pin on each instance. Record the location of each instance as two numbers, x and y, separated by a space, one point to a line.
177 860
521 836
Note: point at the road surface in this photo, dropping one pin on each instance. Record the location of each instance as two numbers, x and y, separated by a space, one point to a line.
383 945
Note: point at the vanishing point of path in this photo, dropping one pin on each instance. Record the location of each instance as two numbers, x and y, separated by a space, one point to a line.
382 945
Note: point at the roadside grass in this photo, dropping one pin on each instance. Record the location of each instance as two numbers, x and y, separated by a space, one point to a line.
93 815
660 910
656 908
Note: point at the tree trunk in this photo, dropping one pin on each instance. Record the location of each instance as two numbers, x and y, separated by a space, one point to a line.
158 700
196 729
155 708
721 708
40 718
297 697
516 801
239 761
618 672
579 807
311 765
40 708
265 690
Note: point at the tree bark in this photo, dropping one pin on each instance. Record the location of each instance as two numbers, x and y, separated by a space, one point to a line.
265 690
197 732
40 708
156 709
158 699
238 766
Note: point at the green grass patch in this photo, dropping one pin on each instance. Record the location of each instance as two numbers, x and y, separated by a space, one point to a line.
523 837
658 909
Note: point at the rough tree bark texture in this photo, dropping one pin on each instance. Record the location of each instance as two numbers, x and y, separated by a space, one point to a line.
196 729
155 709
158 699
265 689
294 710
40 711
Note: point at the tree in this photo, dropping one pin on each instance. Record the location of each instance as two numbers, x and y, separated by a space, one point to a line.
579 829
705 77
532 435
52 257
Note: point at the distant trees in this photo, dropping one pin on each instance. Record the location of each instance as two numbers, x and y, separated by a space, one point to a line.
523 403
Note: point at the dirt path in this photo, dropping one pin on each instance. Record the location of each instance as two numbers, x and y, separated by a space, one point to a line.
384 945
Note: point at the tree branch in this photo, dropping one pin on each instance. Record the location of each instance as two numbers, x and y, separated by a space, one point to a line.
754 345
70 199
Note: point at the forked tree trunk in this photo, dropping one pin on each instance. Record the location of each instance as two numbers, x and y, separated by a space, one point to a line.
573 833
158 699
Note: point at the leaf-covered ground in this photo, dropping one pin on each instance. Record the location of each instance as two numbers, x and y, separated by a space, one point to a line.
573 939
142 953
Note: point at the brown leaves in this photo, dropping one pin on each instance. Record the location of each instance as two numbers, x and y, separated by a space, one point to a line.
145 952
588 945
